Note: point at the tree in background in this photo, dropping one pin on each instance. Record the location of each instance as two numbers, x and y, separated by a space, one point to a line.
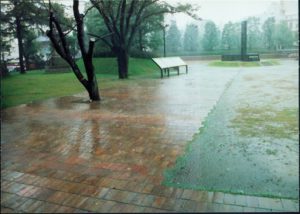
58 37
231 36
173 38
254 34
191 38
31 47
72 42
21 15
25 20
211 38
5 44
124 17
147 37
283 36
95 26
269 33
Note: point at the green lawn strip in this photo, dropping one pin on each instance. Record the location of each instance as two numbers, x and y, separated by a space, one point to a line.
19 89
243 64
137 66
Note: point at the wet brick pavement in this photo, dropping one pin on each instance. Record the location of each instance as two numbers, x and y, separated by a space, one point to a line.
69 155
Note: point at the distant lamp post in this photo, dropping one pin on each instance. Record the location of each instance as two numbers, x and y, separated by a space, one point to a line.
164 31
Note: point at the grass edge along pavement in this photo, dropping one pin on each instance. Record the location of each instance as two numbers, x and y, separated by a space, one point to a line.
49 85
17 89
243 64
181 161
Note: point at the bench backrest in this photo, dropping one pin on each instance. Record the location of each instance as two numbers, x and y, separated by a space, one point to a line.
169 62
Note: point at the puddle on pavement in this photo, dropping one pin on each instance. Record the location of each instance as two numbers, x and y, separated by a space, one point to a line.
230 154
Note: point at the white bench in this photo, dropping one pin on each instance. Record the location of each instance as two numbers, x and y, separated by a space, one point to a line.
165 63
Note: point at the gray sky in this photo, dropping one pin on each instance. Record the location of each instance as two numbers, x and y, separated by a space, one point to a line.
222 11
219 11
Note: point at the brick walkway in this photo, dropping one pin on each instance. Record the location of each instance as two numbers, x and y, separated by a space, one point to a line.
68 155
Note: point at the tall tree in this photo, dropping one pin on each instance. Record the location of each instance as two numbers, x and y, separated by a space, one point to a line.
269 33
210 39
173 38
191 38
231 36
59 41
254 34
147 32
5 43
22 14
123 18
31 47
96 26
283 36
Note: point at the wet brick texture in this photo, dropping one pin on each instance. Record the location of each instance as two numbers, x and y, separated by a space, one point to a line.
67 155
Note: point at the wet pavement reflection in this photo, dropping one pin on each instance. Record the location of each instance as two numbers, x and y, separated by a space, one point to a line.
146 123
132 135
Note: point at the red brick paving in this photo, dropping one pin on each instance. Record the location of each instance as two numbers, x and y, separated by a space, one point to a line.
66 155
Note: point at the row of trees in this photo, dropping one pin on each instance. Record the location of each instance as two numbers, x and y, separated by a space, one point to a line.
126 24
133 27
269 36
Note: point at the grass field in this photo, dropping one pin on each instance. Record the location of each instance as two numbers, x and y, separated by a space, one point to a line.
19 89
137 66
243 64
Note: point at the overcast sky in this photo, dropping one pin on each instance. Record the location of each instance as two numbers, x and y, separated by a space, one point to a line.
219 11
222 11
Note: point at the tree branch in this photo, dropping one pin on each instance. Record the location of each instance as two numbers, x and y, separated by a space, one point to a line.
122 18
62 50
102 38
86 12
79 24
129 14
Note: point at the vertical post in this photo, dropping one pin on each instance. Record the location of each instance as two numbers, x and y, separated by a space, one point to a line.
164 30
244 41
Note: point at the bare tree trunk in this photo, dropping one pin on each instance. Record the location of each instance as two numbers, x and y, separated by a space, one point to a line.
92 80
93 90
20 45
59 43
122 58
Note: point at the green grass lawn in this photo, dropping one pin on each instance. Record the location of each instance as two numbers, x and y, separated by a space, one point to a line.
19 89
243 64
144 67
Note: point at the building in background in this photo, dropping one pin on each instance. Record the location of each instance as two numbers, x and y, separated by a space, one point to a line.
45 47
284 10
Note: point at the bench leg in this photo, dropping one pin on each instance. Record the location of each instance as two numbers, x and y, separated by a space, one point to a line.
177 70
186 69
168 72
161 73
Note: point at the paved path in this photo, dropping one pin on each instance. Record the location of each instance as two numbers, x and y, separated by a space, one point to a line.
68 155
